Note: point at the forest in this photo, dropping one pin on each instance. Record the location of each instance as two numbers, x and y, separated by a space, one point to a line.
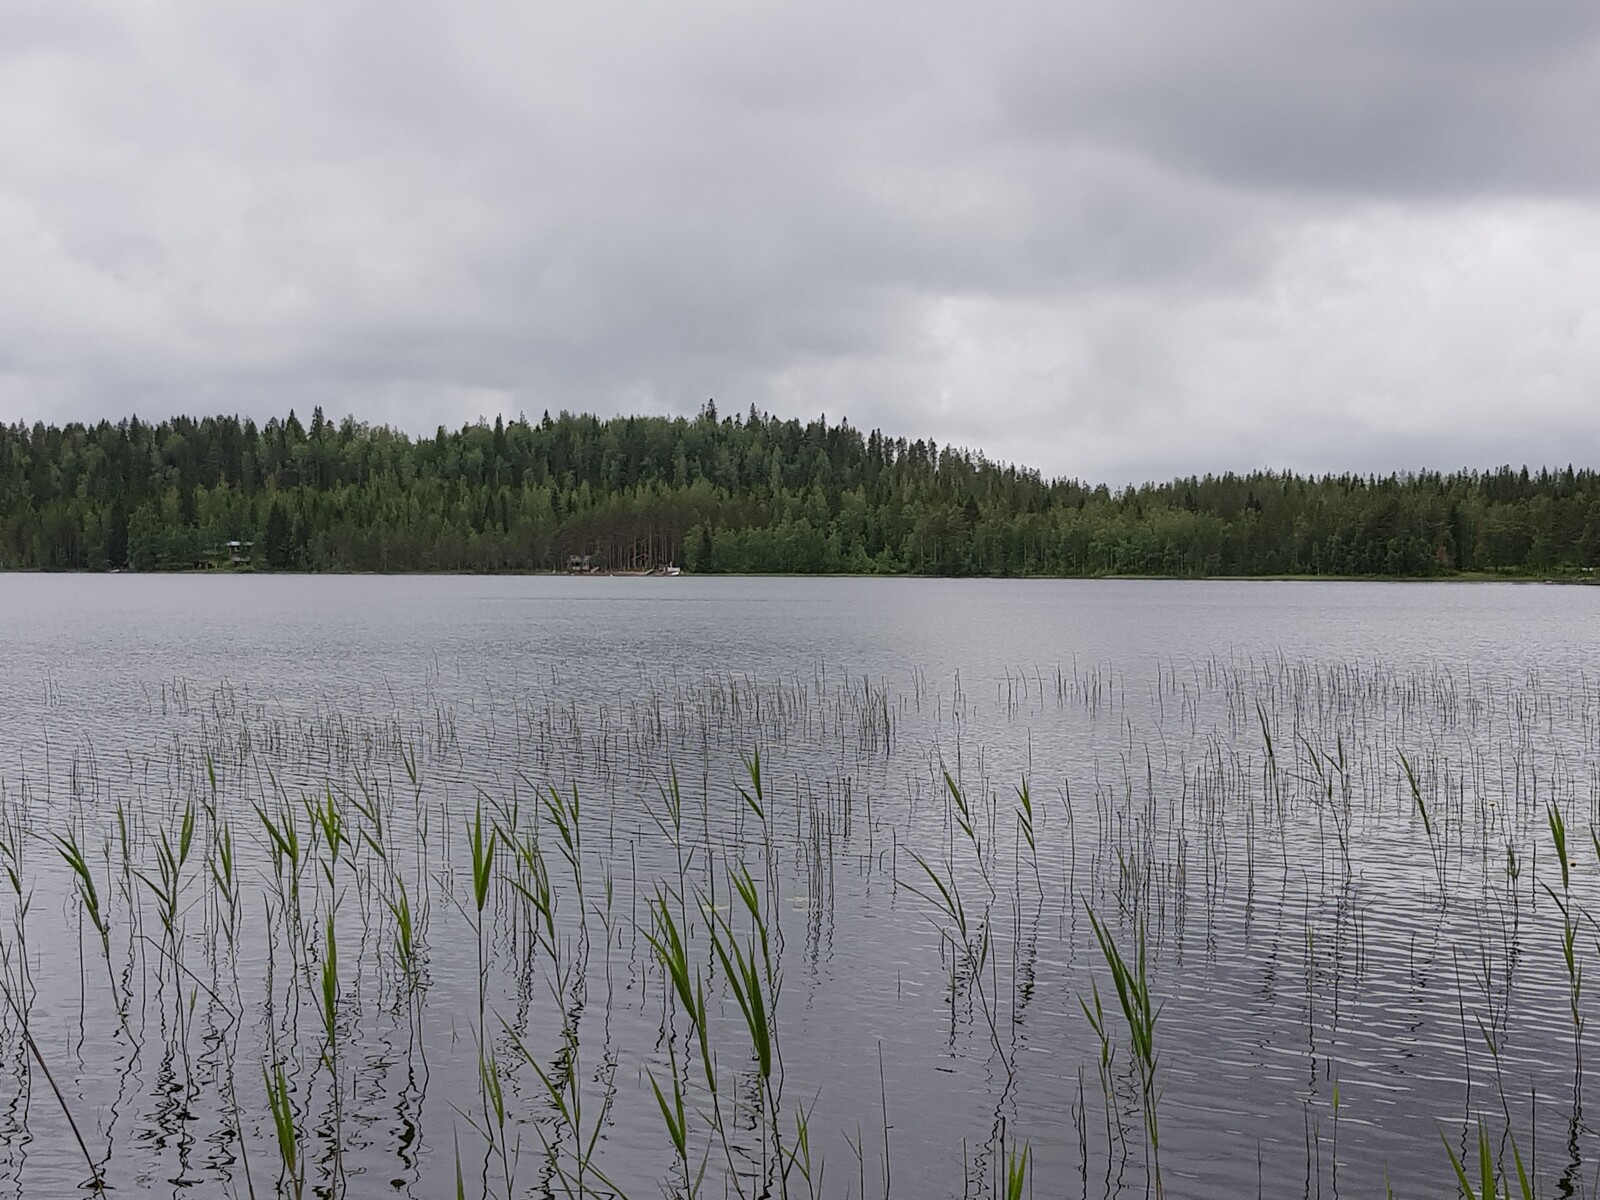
743 493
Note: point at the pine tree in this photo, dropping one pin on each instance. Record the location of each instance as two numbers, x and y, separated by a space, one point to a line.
277 548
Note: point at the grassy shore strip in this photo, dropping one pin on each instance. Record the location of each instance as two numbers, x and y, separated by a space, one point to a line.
1574 577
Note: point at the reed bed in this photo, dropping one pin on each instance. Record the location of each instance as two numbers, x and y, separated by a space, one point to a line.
1195 929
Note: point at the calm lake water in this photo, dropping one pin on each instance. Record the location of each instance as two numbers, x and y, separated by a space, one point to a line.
1327 805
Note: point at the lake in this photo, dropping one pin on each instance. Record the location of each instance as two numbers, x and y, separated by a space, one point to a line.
499 878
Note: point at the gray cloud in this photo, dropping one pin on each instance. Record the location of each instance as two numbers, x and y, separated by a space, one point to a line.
1427 99
1105 240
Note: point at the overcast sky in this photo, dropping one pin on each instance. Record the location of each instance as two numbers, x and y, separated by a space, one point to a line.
1111 240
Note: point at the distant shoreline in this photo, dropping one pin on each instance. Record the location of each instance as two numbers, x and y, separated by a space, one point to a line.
1588 578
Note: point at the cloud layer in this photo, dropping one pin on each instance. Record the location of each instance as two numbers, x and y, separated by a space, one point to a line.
1108 241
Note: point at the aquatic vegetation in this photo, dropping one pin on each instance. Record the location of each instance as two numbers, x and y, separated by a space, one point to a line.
734 936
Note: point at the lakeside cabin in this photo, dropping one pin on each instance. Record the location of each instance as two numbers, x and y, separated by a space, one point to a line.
584 564
230 554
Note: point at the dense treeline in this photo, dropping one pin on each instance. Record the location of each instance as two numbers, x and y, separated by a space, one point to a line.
747 493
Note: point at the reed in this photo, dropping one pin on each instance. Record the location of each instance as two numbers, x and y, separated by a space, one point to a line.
1131 977
1568 908
286 1131
1492 1182
1017 1181
89 895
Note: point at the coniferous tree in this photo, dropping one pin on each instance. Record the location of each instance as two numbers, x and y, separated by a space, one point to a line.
276 547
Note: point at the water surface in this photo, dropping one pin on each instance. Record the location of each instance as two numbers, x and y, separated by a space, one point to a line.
1222 763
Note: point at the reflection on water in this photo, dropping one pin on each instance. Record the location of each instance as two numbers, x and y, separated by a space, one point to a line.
784 887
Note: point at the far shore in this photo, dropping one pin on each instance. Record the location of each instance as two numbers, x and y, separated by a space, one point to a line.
1578 576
